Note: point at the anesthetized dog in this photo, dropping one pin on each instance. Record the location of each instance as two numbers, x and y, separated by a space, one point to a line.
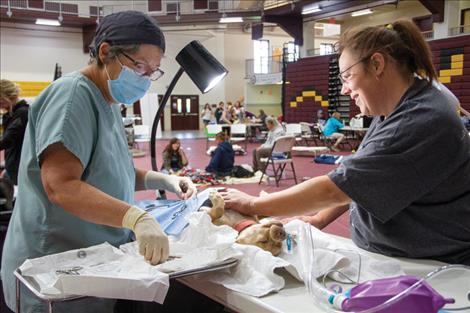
268 236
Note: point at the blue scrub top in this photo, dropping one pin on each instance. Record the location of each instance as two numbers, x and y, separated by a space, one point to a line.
71 111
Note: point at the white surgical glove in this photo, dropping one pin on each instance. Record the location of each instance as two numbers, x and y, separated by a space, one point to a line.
182 186
152 241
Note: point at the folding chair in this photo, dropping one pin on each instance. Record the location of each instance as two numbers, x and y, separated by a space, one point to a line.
212 130
238 133
141 134
307 134
280 156
295 130
330 141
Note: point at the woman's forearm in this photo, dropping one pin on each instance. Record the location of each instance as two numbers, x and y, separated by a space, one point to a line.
308 197
88 203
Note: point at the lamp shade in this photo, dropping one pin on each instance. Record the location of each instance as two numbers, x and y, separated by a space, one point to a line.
201 66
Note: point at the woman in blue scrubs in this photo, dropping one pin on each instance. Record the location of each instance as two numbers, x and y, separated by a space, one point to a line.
77 179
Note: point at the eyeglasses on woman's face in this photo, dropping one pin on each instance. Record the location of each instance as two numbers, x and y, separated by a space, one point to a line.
144 69
346 75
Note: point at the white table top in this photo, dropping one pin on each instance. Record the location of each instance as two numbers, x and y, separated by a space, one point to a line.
354 129
294 296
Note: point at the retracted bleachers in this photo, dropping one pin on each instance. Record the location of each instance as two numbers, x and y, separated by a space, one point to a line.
307 90
451 58
308 79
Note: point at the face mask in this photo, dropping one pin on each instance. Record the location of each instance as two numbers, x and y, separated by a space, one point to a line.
128 87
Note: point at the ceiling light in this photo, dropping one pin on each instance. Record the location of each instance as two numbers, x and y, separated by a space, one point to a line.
362 12
231 20
311 9
42 21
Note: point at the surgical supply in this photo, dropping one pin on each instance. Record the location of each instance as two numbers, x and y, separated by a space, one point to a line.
393 294
98 271
172 214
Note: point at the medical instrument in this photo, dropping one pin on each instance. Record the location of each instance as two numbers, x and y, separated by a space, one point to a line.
396 294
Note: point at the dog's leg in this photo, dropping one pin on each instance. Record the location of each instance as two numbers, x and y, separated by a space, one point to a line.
218 205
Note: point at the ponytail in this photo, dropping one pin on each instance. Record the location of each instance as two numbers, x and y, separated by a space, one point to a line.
401 41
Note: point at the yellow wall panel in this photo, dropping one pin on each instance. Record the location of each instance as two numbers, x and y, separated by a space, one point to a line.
318 98
308 93
324 103
457 58
299 99
456 72
293 104
444 73
31 89
455 65
445 79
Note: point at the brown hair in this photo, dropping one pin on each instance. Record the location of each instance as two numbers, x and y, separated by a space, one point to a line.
401 41
169 148
9 89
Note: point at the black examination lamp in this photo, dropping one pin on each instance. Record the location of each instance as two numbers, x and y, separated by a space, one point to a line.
203 69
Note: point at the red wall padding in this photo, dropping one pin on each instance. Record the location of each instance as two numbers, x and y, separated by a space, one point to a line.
311 73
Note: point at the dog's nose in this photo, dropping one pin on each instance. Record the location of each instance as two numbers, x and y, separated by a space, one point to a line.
277 233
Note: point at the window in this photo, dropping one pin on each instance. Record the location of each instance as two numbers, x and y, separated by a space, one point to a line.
261 56
292 52
326 48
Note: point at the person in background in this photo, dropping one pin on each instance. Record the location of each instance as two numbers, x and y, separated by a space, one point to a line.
219 111
123 110
331 130
320 118
207 115
407 188
465 118
274 131
14 126
227 117
77 182
174 158
223 157
262 117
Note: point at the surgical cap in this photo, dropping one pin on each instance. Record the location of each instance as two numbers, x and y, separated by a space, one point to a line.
126 28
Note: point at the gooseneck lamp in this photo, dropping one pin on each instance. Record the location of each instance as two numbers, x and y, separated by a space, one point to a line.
203 69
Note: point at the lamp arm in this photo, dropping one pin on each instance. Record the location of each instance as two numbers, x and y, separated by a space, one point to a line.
153 134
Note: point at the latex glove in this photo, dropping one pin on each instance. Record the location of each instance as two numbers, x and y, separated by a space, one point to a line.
182 186
152 241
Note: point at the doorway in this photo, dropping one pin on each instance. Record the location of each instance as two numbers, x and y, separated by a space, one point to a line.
184 112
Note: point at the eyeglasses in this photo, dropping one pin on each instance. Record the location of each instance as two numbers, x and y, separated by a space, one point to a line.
142 69
345 77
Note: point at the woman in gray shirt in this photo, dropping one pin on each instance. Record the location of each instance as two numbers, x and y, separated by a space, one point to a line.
408 186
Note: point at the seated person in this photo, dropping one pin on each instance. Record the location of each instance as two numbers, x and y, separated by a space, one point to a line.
174 158
320 119
331 130
223 157
263 151
465 118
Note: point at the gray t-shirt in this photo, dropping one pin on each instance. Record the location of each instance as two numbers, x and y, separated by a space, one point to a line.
410 181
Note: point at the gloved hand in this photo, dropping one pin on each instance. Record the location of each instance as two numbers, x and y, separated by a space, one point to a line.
153 243
182 186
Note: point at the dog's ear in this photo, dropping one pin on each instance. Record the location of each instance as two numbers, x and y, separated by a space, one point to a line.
277 233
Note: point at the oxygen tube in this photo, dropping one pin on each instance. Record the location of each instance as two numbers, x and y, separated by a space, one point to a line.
414 292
